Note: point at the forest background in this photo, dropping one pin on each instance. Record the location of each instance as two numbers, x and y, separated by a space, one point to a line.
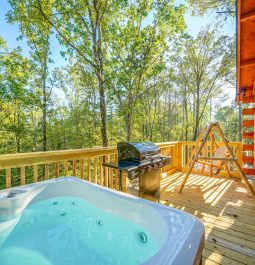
88 73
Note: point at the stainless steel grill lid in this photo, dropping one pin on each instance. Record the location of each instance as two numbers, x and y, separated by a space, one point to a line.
137 152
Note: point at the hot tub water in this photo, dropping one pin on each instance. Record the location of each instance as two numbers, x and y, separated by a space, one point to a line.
71 231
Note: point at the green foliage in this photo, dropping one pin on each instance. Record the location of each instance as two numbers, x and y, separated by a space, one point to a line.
200 7
138 52
16 97
133 72
205 65
228 119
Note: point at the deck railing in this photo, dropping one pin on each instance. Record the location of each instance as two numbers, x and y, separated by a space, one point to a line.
24 168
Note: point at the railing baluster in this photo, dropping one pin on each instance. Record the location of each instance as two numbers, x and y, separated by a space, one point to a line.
89 170
46 171
82 168
106 181
74 167
116 173
35 173
22 176
101 170
111 174
66 168
57 169
8 178
95 169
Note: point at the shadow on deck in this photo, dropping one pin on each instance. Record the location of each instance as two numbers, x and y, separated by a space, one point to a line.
227 211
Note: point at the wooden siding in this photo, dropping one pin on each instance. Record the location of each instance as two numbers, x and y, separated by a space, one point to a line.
246 51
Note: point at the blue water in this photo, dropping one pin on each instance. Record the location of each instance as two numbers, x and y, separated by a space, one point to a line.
71 231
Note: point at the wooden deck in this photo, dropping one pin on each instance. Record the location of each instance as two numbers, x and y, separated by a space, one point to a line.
227 211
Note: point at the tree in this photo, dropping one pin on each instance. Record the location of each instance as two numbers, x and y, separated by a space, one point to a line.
228 118
138 51
15 96
206 66
38 34
82 27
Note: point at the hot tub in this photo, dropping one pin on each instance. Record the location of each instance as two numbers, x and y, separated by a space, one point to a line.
68 221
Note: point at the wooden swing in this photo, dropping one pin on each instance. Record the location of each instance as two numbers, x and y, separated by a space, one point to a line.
195 155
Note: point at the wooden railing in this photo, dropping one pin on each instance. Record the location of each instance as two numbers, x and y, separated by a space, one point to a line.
25 168
187 147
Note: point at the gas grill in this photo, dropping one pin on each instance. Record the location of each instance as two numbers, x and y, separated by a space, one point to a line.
141 160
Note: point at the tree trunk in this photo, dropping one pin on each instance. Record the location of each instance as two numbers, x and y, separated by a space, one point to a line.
103 112
129 126
44 91
100 76
186 113
44 117
197 109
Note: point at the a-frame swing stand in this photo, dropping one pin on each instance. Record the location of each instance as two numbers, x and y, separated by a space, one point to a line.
195 155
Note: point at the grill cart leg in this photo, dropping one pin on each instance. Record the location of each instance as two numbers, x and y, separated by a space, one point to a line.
149 185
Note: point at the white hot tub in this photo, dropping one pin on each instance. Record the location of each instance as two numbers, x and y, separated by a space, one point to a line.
68 221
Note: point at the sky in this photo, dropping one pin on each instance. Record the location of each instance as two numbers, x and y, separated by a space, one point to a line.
10 34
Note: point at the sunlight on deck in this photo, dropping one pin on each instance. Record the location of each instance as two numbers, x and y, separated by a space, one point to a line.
227 210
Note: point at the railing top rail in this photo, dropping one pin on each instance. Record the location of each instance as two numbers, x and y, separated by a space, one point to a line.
26 159
33 158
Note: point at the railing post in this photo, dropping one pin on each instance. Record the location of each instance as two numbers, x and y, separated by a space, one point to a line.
180 156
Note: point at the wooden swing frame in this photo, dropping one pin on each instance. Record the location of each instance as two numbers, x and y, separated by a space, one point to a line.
195 155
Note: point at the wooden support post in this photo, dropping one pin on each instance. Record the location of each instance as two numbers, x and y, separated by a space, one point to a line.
197 153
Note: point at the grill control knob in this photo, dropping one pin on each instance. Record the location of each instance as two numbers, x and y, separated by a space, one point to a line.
150 168
160 164
155 166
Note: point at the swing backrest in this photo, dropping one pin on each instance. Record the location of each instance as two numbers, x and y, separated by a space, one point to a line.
221 152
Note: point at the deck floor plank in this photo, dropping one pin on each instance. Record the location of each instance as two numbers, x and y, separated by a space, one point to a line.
226 209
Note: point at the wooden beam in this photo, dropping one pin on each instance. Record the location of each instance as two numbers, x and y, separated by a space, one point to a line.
238 87
246 17
247 63
216 158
